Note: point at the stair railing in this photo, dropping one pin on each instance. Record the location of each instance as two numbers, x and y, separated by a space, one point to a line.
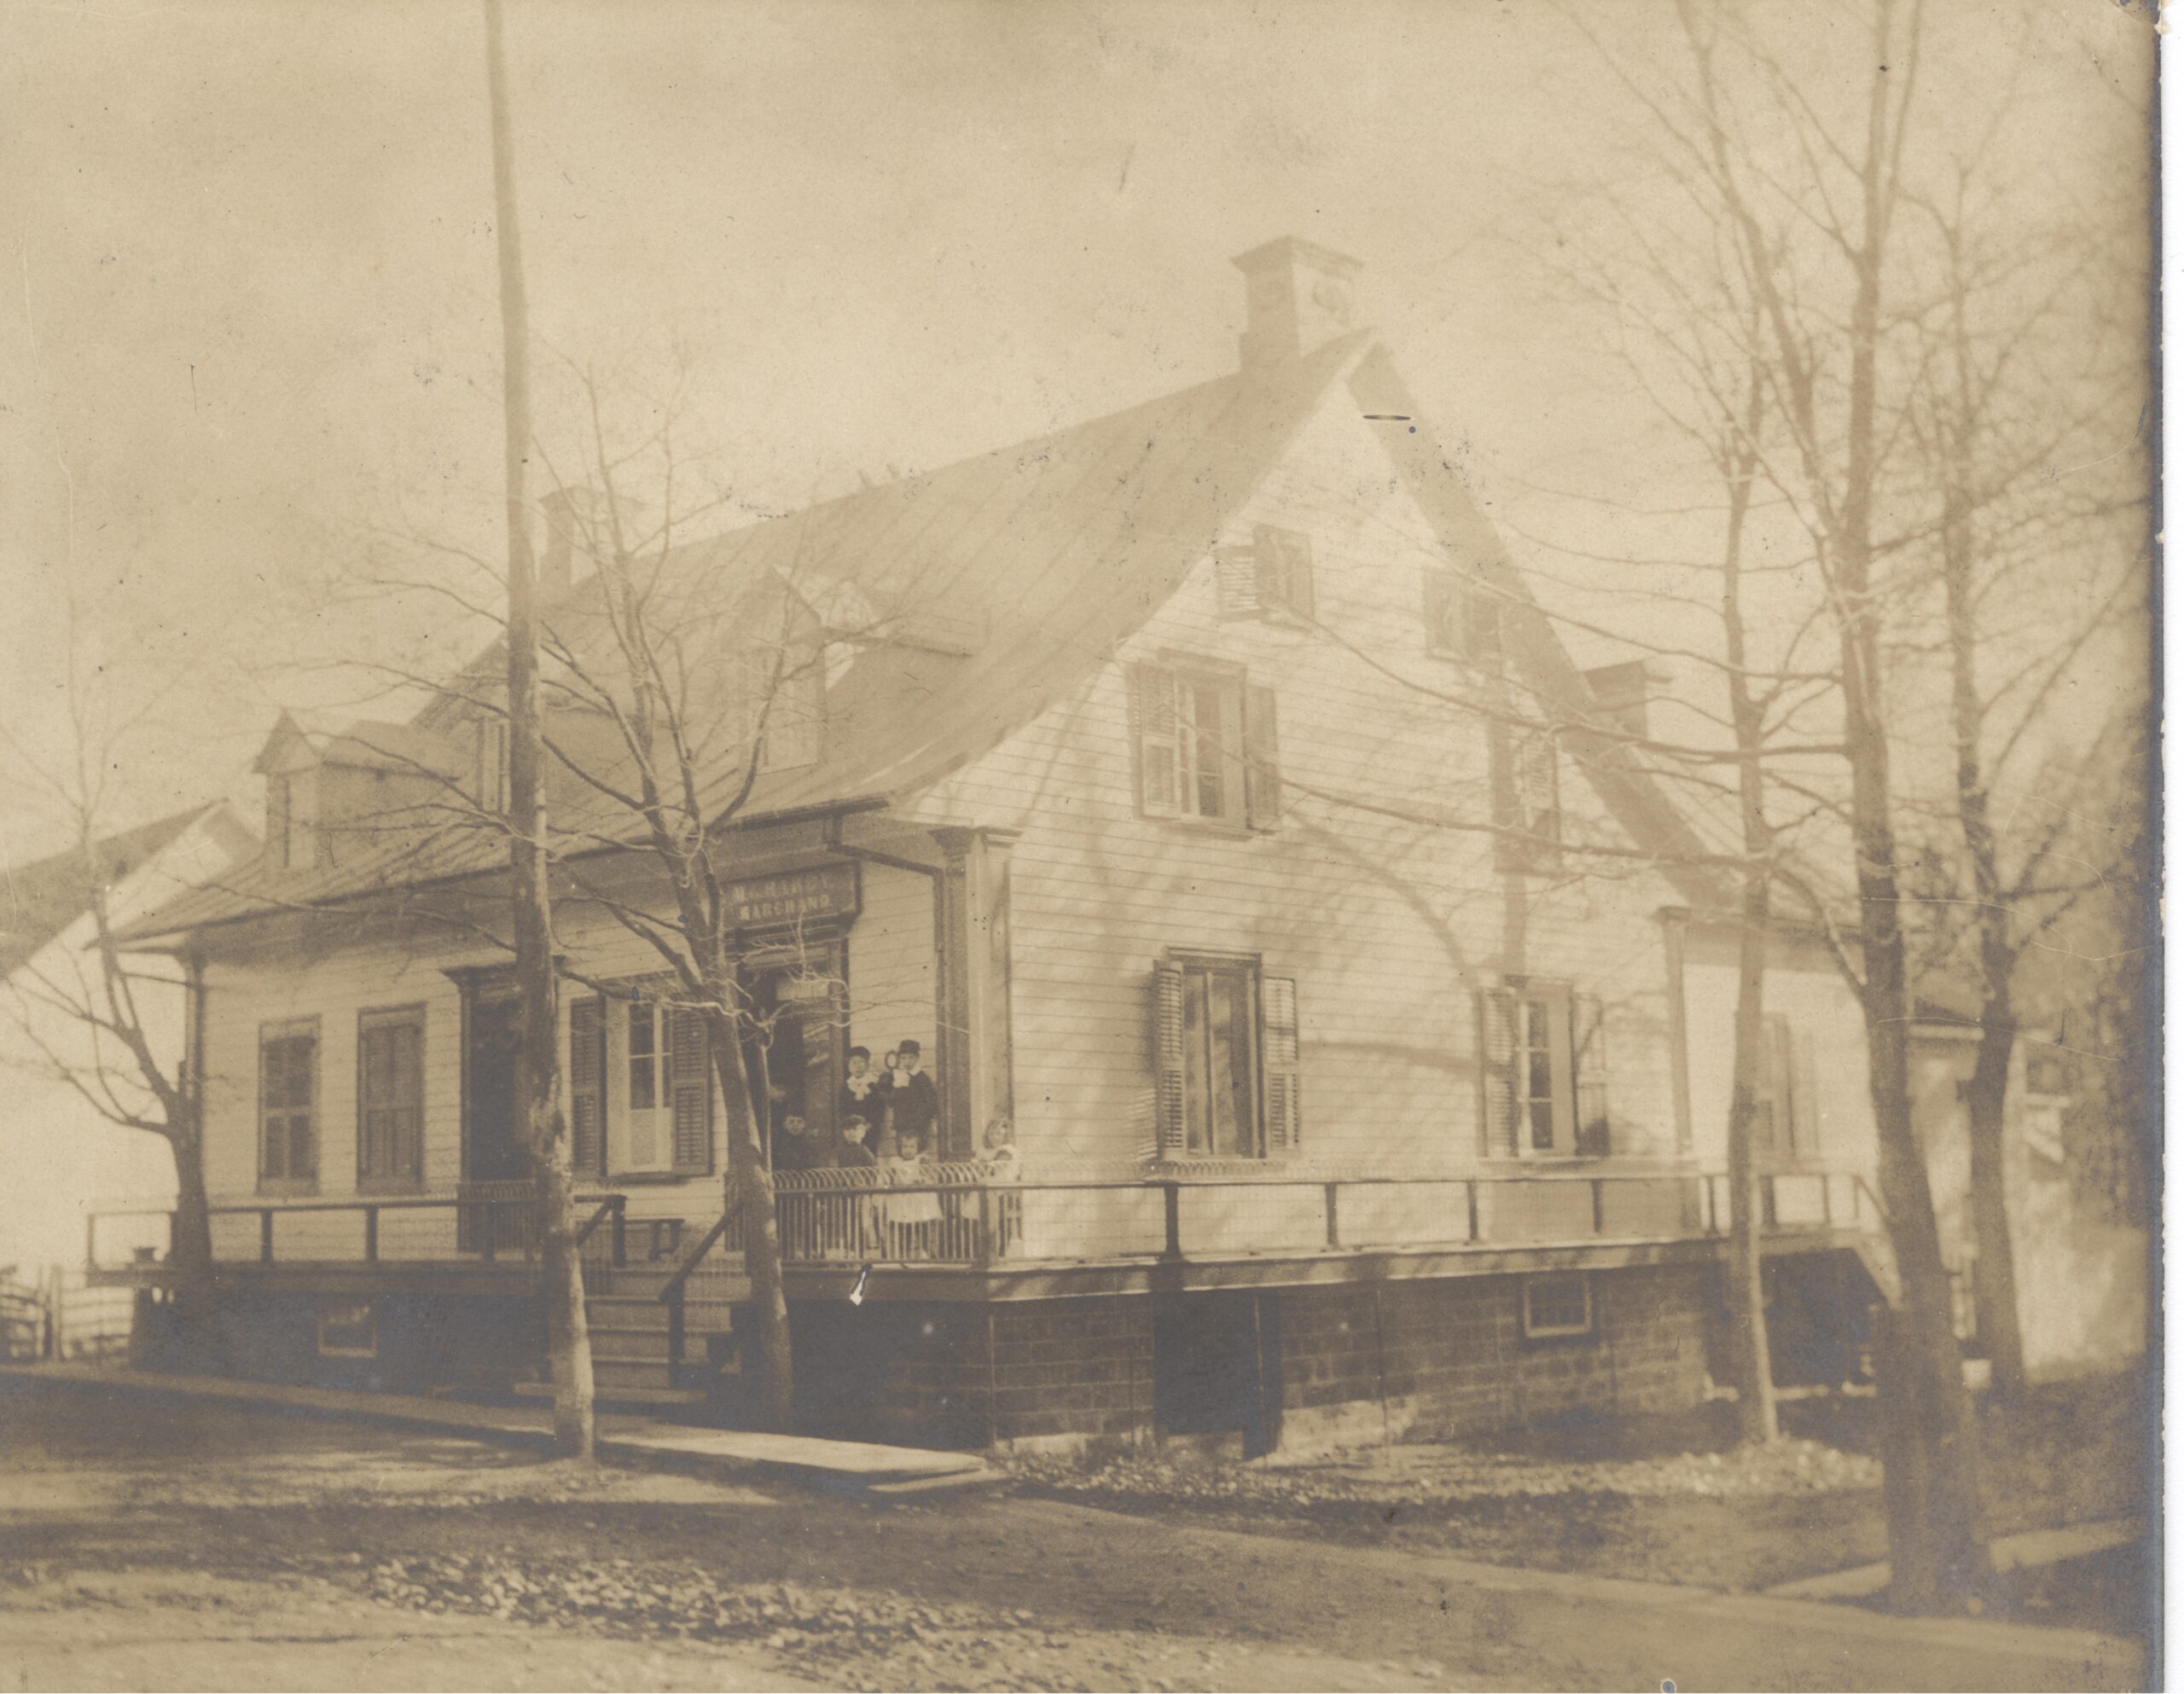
610 1209
672 1296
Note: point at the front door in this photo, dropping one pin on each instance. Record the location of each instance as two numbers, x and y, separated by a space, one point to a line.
494 1166
795 1058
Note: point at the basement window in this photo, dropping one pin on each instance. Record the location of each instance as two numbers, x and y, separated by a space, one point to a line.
348 1329
1558 1305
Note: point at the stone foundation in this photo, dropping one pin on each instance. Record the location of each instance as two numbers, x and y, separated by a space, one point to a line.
1351 1363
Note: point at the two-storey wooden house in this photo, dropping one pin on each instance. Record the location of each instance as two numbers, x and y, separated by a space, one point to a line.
1329 1014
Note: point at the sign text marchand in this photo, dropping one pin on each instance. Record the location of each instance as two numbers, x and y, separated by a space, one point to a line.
795 897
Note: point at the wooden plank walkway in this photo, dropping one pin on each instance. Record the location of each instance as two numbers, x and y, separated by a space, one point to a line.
643 1442
2009 1553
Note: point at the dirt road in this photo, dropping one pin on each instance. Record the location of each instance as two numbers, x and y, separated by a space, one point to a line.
147 1544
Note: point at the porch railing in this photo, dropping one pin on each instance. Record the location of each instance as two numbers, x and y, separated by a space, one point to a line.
974 1215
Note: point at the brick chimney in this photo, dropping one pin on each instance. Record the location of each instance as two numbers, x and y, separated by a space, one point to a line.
1297 296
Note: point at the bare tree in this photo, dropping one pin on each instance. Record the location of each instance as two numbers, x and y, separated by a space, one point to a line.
1982 422
94 1027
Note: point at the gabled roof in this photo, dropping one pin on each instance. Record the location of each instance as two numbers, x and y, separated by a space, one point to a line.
1631 794
1053 550
39 900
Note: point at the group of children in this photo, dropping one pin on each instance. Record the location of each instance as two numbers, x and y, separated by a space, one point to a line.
884 1117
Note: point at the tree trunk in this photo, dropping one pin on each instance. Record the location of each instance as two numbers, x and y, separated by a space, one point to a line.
750 1189
1938 1551
539 1073
190 1253
1994 1271
1987 1098
1754 1368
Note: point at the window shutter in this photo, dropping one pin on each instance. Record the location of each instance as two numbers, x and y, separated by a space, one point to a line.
1588 1050
1262 758
690 1086
1482 625
1155 728
1167 1060
1236 581
1278 1058
1442 635
1538 804
587 1085
1282 562
409 1108
1497 1058
1804 1099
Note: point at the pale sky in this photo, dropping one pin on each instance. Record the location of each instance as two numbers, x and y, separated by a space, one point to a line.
250 310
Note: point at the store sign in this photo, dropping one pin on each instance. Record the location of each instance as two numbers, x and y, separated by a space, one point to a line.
830 891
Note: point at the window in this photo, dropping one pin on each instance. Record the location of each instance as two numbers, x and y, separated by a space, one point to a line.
2050 1070
1226 1041
659 1118
1544 1070
391 1098
1272 576
288 1097
1208 746
1558 1305
347 1329
1462 619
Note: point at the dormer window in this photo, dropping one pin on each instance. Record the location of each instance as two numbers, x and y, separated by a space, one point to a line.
784 699
1271 577
290 841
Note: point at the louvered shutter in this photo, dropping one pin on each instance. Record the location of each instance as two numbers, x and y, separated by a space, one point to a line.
1167 1060
1805 1099
1589 1058
1236 581
587 1086
1279 1061
1262 758
1156 730
1497 1058
1539 809
1283 562
1771 1124
410 1118
1442 634
1481 614
690 1086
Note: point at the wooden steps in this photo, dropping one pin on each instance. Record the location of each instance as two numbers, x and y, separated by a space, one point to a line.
632 1334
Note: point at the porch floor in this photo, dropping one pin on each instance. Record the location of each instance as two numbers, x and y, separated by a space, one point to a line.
625 1440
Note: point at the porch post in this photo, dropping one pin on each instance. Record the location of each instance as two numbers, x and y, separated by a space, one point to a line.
971 935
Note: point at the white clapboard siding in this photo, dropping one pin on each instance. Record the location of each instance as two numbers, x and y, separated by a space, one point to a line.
1386 925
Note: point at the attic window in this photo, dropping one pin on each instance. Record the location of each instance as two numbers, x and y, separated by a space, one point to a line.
1462 620
1270 578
